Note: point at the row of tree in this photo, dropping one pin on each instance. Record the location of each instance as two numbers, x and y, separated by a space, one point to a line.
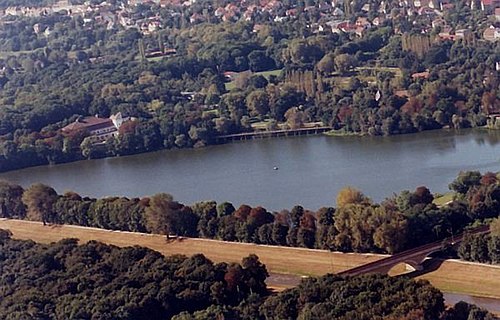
357 224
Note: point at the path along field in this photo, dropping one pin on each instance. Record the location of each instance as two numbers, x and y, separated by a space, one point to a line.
451 276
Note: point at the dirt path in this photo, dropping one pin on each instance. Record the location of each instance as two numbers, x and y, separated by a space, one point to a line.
451 276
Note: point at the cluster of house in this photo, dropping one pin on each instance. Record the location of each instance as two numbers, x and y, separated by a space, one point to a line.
426 13
104 13
98 129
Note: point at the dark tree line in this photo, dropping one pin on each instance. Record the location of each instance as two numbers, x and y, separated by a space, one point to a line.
97 281
482 248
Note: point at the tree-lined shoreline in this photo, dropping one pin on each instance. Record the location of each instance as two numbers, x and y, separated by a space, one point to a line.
357 224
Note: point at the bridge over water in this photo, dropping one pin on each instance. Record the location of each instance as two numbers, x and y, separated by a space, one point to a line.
272 133
413 257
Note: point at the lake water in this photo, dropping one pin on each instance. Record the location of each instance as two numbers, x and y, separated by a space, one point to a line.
311 170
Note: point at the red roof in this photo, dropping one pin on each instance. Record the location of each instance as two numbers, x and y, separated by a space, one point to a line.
88 123
420 75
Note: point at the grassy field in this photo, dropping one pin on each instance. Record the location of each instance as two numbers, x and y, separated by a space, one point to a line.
444 199
278 259
451 276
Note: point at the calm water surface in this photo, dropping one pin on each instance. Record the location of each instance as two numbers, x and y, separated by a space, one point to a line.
311 169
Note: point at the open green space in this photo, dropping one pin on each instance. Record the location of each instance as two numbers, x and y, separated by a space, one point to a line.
443 199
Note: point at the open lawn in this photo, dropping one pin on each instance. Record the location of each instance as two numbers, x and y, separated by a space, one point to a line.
397 71
451 276
467 278
444 199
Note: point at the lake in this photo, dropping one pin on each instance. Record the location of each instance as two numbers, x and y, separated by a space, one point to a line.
310 170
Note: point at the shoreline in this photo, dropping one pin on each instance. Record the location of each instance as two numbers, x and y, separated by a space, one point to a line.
250 136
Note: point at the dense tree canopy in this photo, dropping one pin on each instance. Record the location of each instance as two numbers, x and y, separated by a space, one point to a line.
65 280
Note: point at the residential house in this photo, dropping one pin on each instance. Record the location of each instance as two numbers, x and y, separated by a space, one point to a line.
13 11
420 3
363 22
446 5
195 18
438 22
420 75
338 12
463 33
489 5
427 11
219 12
378 21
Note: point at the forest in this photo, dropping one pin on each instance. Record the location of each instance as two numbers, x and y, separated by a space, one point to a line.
357 224
59 66
65 280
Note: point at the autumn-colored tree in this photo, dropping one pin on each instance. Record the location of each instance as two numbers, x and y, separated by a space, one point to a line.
488 178
235 103
243 212
159 214
295 118
39 200
490 103
421 195
412 106
350 195
391 230
166 216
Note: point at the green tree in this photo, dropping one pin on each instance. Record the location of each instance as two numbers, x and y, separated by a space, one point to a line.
11 204
344 62
465 180
327 64
258 103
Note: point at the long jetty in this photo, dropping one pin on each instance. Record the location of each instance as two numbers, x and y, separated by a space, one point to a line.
271 134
